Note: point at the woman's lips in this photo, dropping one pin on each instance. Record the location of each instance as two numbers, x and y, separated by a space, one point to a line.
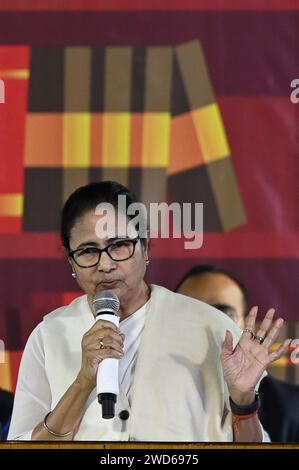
109 284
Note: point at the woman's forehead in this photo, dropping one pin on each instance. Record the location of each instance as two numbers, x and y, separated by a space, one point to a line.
104 226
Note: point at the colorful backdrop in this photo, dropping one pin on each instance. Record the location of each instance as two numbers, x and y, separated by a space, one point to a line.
182 101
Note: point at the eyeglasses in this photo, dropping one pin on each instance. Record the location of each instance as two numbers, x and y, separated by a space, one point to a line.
90 256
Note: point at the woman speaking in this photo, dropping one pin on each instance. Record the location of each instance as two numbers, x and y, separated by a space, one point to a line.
186 371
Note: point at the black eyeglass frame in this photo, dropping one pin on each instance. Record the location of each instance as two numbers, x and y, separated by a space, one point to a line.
104 250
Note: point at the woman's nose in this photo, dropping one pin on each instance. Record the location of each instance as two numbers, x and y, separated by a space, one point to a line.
105 263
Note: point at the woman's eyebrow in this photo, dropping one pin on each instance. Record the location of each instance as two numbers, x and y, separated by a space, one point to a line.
89 243
107 242
121 237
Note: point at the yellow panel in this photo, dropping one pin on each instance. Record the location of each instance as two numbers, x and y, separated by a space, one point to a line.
156 140
210 133
15 74
11 205
281 362
5 372
116 139
76 140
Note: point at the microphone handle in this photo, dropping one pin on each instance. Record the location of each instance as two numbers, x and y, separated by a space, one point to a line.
107 376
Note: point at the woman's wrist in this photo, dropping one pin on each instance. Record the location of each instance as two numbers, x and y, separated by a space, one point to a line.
84 384
243 399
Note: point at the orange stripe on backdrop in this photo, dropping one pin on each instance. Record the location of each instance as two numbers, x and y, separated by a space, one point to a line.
76 140
14 74
2 346
5 372
9 370
11 205
185 153
156 140
116 135
210 132
128 5
96 140
43 141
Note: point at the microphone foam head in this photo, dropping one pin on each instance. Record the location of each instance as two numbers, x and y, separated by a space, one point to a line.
106 301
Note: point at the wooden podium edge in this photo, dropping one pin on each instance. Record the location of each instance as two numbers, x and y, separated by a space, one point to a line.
142 445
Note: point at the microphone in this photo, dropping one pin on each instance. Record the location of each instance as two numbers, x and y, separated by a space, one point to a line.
106 305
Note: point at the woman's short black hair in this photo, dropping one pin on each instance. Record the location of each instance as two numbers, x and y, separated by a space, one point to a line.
87 198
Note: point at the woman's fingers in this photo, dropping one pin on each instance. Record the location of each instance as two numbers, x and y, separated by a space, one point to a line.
109 342
109 352
266 324
106 337
101 334
102 324
280 351
267 332
250 322
273 333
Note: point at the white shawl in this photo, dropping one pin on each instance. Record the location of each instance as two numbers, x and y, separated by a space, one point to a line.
178 392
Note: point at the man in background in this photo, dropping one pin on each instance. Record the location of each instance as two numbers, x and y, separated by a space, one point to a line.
218 288
279 412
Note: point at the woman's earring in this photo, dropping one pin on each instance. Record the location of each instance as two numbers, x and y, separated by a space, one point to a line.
147 262
74 275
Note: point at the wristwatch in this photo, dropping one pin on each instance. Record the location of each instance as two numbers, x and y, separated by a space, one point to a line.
247 409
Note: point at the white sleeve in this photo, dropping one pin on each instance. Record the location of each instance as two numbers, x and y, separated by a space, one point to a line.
33 396
266 437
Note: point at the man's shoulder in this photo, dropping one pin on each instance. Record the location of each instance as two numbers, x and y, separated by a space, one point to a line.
272 385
